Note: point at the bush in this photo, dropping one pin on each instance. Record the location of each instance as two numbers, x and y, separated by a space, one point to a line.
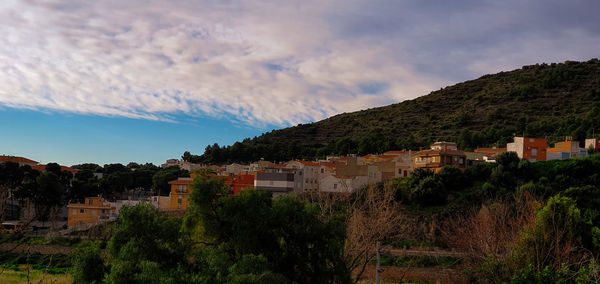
89 266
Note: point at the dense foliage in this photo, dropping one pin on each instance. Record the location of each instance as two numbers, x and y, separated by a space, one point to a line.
561 241
249 238
54 187
542 100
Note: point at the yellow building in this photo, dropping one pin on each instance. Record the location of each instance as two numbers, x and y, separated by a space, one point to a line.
91 211
180 191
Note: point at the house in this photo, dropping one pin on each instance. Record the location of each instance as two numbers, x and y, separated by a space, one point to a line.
403 162
310 172
280 181
184 165
236 169
91 211
527 148
592 143
440 155
342 184
489 154
19 160
240 181
180 192
42 168
565 150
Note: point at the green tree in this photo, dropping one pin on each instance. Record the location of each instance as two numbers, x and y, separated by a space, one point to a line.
88 265
144 243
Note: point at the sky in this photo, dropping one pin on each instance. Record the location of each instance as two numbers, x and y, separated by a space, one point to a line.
118 81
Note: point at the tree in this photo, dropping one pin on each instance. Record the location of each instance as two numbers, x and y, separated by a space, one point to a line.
88 265
556 238
287 232
161 179
144 244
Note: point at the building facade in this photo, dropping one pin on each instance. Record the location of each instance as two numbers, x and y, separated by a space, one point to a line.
440 155
527 148
91 211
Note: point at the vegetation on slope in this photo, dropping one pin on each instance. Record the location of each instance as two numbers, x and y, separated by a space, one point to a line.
543 100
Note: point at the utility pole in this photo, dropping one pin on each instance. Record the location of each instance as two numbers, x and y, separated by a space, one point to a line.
378 269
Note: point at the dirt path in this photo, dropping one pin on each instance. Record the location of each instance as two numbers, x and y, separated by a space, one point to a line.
420 252
443 275
41 249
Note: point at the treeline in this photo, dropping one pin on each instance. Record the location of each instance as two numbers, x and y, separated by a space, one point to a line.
540 222
542 100
54 187
249 238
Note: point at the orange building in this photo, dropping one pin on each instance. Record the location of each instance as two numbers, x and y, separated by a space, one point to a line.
440 155
91 211
531 149
239 182
566 149
180 191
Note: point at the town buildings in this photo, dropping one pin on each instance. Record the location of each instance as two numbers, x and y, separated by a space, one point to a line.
592 143
527 148
19 160
440 155
91 211
565 150
180 192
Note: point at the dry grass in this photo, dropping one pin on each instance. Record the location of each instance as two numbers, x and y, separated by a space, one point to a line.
35 276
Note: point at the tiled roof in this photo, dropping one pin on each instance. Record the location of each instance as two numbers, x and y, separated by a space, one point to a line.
42 168
308 163
388 153
14 159
430 151
279 166
184 180
330 165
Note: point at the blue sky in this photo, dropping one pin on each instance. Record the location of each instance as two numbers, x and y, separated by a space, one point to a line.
119 81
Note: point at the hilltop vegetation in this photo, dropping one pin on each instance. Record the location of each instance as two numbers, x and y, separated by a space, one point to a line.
542 100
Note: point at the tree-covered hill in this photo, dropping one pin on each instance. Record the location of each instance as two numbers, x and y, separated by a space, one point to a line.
542 100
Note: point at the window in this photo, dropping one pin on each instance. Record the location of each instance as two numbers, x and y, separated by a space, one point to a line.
405 173
179 199
93 212
399 171
306 180
531 140
81 211
334 185
534 152
74 211
90 202
322 170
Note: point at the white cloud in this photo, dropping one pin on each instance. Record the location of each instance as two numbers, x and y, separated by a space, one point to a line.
255 62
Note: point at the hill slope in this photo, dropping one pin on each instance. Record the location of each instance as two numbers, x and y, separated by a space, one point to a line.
540 100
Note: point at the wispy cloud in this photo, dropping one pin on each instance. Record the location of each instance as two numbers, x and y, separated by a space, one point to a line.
260 62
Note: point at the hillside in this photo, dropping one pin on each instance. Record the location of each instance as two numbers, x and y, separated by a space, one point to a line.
543 100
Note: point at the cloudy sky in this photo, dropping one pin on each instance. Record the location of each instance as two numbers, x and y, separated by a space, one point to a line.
118 81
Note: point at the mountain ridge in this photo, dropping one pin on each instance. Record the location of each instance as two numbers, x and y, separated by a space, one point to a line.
543 100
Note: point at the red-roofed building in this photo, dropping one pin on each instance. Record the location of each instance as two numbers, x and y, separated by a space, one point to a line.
239 182
19 160
490 152
42 168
